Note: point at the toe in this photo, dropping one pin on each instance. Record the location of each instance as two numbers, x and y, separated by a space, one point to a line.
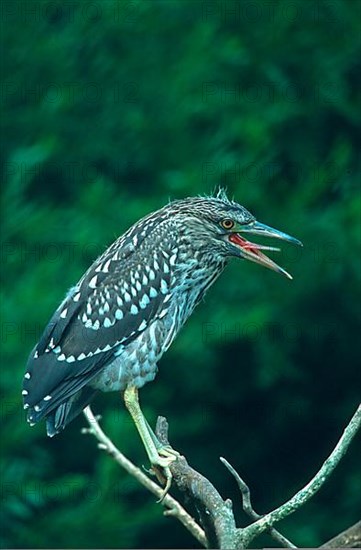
168 476
168 451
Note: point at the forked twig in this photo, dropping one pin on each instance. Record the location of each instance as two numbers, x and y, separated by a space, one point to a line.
248 508
299 499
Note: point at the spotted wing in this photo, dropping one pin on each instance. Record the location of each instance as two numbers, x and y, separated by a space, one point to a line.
108 309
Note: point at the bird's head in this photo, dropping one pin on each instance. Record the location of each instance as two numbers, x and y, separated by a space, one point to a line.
218 225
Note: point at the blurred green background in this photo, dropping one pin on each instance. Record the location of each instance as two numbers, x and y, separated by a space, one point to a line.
109 110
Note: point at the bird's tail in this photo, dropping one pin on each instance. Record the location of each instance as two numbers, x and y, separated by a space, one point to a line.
60 417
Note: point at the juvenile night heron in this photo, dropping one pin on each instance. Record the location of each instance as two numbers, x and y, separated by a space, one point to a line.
113 327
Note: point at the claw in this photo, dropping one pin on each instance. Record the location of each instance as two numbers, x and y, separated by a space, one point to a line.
169 477
166 455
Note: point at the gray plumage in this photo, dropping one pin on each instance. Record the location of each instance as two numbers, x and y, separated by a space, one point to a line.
116 323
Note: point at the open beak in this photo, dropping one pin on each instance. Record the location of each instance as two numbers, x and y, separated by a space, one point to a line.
252 251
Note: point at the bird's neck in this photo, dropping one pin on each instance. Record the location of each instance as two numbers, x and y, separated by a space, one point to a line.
194 277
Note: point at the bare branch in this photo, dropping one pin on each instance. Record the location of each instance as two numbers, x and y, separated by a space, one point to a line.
300 498
248 508
173 507
351 538
215 514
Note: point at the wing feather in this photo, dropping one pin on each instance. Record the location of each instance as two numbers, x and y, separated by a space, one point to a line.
104 312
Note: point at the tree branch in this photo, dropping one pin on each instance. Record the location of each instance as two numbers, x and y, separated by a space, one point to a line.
215 514
300 498
351 538
248 508
173 507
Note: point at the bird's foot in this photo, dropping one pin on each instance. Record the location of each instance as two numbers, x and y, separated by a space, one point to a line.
163 473
168 451
161 467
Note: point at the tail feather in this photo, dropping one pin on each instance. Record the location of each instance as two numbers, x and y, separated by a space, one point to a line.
63 414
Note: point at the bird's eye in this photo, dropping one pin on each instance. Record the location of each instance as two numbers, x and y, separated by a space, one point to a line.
227 223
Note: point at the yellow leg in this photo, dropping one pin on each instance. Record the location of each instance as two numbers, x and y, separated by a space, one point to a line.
158 455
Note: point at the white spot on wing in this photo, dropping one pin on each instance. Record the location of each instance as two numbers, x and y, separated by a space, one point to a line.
152 292
81 356
142 325
106 348
61 357
106 266
119 314
144 301
163 286
107 322
24 392
134 310
70 359
93 282
27 376
64 313
163 313
76 297
47 398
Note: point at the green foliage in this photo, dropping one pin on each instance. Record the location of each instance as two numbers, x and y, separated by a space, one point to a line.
111 110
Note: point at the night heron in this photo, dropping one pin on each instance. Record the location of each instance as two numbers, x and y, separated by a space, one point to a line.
113 326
